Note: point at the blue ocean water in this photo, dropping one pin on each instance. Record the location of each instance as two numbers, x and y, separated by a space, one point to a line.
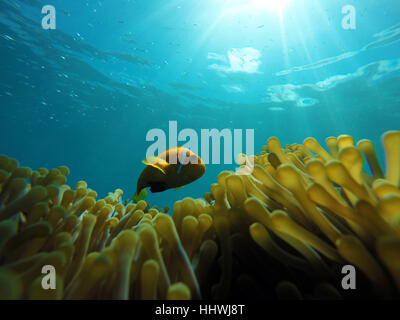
86 94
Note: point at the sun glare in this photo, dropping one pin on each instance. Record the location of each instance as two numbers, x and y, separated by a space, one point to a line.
275 5
241 6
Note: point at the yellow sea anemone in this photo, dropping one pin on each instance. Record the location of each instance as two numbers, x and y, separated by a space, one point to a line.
284 231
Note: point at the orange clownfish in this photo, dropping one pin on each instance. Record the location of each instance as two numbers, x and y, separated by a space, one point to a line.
172 169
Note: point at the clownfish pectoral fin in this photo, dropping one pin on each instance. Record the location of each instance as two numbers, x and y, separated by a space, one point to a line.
152 162
177 188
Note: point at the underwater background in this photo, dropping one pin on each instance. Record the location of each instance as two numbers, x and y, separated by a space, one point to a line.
318 215
85 95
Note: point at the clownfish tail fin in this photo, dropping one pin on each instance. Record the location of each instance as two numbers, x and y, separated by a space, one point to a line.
141 195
